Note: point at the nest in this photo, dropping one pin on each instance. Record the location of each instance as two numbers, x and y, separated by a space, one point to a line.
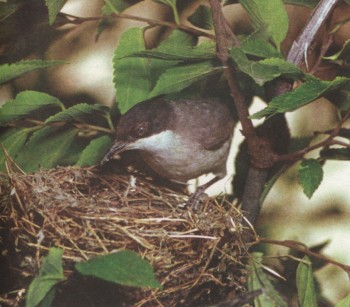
197 255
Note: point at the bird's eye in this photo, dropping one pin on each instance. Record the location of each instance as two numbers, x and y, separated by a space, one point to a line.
141 129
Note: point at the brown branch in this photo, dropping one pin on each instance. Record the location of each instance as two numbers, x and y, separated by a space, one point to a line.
151 22
300 247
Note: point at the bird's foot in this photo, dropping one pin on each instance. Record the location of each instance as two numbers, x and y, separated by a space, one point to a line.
195 198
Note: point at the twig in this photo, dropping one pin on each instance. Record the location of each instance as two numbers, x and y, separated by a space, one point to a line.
294 156
151 22
300 247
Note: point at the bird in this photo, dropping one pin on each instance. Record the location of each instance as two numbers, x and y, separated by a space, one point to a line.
178 139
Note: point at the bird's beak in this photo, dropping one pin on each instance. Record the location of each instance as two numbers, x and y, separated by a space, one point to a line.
118 147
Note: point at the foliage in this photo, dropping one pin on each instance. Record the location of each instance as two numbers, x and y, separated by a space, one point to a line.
124 268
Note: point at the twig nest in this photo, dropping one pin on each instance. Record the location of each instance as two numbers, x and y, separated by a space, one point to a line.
197 255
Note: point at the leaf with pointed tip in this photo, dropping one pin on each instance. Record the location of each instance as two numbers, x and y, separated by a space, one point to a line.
95 151
303 95
54 7
78 112
14 70
177 78
305 284
124 267
46 148
131 77
265 70
269 17
51 273
310 176
258 279
25 103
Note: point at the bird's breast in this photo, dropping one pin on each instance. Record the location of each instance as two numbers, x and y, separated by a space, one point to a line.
178 158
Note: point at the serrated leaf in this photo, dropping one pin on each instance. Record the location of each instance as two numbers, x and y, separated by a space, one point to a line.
265 70
46 148
305 284
130 74
345 302
304 94
77 112
54 7
308 3
24 104
177 78
11 71
13 140
51 273
310 176
95 151
257 279
202 18
269 17
124 267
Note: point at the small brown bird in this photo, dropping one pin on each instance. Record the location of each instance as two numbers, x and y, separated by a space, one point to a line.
179 140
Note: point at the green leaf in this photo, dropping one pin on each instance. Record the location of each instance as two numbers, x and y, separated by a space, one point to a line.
308 3
269 17
304 94
124 267
13 140
265 70
51 273
46 148
177 78
11 71
130 74
54 7
78 112
202 18
24 104
257 279
260 48
172 4
95 151
305 284
345 302
310 176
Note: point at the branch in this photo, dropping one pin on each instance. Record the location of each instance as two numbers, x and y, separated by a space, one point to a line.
300 247
298 51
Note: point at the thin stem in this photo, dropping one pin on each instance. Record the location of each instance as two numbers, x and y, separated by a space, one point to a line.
300 247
